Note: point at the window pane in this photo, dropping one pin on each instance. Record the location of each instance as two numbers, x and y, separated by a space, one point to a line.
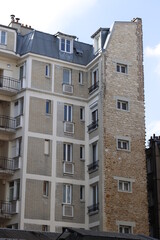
68 46
126 186
66 76
120 185
68 153
65 112
124 105
63 44
124 145
123 69
118 68
118 104
3 37
64 193
69 113
48 106
64 152
68 194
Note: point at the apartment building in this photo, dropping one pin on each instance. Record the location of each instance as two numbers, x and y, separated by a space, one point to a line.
72 132
153 185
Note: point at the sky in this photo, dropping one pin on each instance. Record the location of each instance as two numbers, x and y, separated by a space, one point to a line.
83 17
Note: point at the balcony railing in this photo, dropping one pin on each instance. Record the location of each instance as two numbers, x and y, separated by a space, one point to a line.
93 87
7 122
8 207
93 166
93 208
7 164
92 126
10 83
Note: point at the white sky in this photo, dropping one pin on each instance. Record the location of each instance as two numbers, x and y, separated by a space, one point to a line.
83 17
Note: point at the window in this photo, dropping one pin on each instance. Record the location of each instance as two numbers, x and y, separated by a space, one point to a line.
123 105
80 78
123 144
47 70
14 190
67 194
94 76
97 44
67 152
3 37
95 194
125 229
66 76
121 68
65 45
68 113
82 152
48 106
82 193
45 228
124 186
82 116
95 115
45 188
46 146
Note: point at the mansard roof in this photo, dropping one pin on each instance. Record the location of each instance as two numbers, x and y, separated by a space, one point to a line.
48 45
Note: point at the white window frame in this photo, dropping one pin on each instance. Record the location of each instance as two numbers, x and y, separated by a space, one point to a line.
97 43
95 192
123 181
15 190
45 188
68 113
47 70
1 37
125 224
123 228
65 43
69 80
122 68
82 113
46 147
80 78
82 152
67 152
122 142
121 103
67 194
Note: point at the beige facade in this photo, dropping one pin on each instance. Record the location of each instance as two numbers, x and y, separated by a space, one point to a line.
72 132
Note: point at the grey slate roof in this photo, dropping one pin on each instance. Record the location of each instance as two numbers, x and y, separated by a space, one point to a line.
6 233
48 45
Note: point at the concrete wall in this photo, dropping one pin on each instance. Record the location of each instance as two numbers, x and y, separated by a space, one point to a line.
37 161
39 121
37 206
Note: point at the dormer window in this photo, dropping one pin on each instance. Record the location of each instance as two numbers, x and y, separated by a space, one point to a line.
65 45
65 42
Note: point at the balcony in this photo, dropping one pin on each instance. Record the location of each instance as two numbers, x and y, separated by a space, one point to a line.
92 126
92 88
7 123
93 209
9 84
9 165
7 208
93 166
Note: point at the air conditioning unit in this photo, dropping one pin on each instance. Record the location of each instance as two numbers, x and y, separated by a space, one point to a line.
68 167
67 210
68 127
67 88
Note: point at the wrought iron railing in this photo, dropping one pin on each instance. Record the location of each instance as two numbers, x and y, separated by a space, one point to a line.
7 122
93 208
8 207
92 126
10 83
7 164
93 166
93 87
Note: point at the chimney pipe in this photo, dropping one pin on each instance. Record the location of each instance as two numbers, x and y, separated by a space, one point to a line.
12 17
17 19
